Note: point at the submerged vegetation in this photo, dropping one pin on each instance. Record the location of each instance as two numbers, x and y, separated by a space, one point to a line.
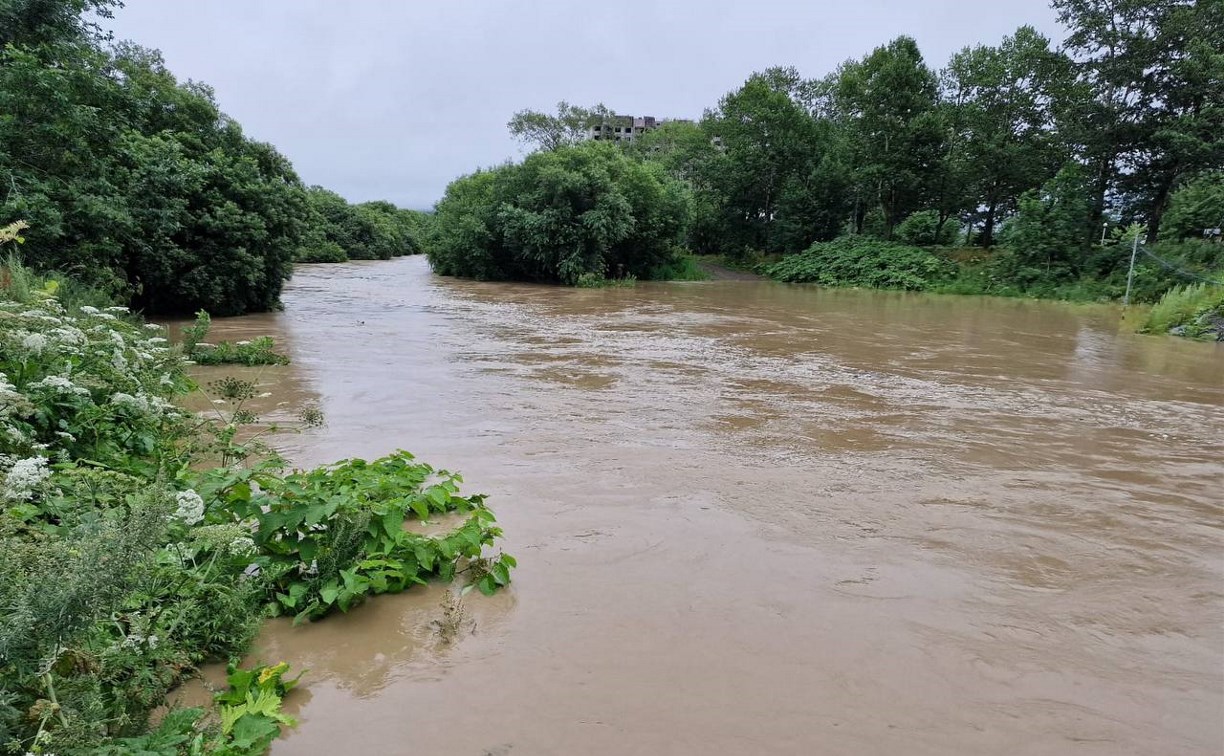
257 351
138 540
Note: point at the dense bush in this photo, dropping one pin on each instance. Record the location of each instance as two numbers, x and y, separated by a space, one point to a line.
1048 238
369 231
586 210
864 261
1183 260
320 251
924 229
140 185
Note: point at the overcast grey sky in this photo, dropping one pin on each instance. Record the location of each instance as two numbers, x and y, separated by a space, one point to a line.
391 99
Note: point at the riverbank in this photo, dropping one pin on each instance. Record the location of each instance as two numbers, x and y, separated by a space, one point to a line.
772 519
139 540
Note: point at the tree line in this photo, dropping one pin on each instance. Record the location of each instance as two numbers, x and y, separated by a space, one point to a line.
1036 154
138 185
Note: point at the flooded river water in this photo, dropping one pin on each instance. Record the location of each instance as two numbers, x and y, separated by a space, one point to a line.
762 519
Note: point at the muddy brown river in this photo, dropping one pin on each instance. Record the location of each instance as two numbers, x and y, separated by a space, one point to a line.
762 519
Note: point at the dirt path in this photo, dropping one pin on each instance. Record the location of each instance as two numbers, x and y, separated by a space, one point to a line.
721 273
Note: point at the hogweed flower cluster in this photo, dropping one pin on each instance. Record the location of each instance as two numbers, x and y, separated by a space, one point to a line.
190 507
23 477
69 376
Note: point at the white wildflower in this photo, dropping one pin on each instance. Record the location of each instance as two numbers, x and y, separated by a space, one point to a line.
90 310
8 392
241 546
156 403
61 384
136 403
68 335
153 326
34 343
156 340
24 476
190 506
117 308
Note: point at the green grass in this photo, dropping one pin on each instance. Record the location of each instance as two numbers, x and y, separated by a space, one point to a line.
22 284
1190 306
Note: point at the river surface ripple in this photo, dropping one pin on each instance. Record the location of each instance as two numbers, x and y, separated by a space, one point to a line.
763 519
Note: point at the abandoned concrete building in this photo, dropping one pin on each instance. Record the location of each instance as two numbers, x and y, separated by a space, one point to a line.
621 128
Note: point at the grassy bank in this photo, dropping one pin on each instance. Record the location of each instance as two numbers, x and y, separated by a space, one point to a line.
873 263
1196 311
138 540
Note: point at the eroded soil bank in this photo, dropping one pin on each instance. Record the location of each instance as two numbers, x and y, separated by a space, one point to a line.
754 518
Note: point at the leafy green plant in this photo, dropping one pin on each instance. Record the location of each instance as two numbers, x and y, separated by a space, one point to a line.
864 261
330 537
251 715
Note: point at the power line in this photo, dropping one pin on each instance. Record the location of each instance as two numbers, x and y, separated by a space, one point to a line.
1182 271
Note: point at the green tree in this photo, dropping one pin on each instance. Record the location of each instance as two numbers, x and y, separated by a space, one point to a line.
772 158
1197 205
1003 102
1047 239
571 125
137 183
1152 108
888 102
38 22
561 216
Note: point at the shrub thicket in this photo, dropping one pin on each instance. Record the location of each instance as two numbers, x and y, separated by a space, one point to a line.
864 261
582 211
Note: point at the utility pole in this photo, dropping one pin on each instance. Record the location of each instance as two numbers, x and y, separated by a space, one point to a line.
1130 274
